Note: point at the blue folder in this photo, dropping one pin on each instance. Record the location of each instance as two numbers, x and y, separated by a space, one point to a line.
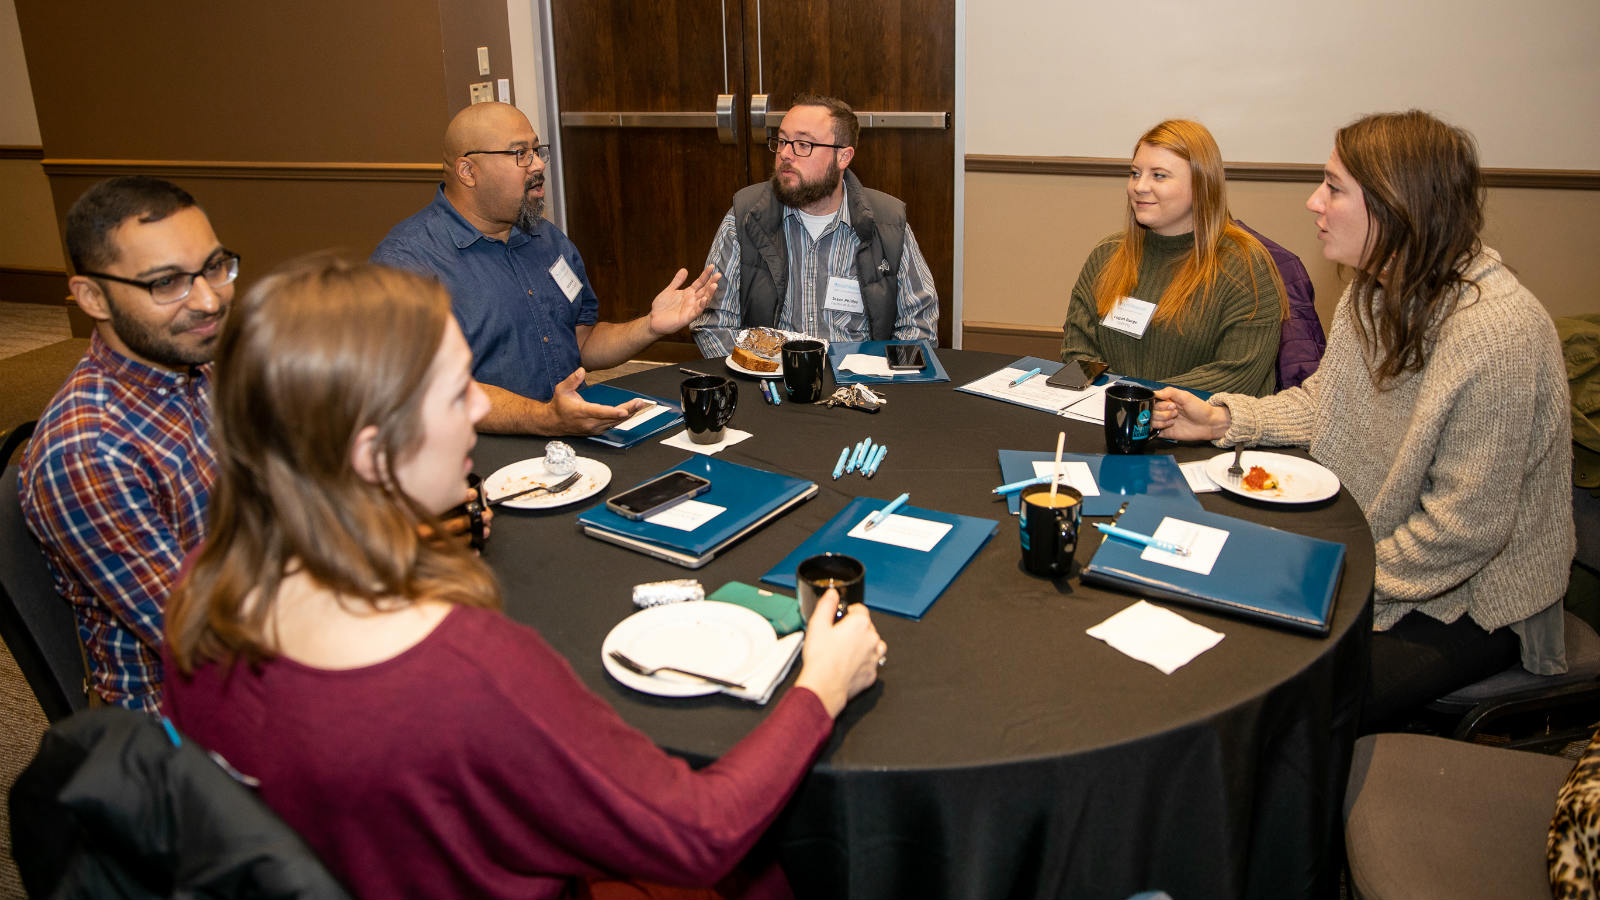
900 580
750 498
611 395
1274 577
1048 367
1119 476
932 370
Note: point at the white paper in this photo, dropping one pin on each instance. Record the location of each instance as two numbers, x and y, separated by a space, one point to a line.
1131 316
565 278
903 531
844 295
1155 635
682 441
1073 472
686 515
643 415
1195 474
1087 404
1204 543
867 364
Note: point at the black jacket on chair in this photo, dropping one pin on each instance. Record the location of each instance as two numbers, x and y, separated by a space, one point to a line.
111 808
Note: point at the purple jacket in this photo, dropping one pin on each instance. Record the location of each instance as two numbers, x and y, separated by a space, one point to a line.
1300 348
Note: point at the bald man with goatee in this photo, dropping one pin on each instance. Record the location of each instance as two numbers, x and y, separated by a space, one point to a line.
518 285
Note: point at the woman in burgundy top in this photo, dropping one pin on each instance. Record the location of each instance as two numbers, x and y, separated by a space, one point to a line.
423 744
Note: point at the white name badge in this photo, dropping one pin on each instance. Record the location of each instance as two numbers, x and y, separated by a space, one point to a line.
844 295
1131 316
566 279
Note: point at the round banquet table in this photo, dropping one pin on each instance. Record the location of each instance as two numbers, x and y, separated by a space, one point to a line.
1003 752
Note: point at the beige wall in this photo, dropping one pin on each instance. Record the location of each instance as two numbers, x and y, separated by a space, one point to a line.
1027 235
27 233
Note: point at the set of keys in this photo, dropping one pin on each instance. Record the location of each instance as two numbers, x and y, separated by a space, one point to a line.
857 396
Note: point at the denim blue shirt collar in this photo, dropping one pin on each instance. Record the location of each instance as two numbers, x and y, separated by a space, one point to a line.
463 233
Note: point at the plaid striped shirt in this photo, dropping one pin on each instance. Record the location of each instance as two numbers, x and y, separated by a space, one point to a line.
811 263
114 485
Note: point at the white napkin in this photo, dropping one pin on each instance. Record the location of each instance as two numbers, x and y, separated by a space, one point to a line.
867 364
1157 636
682 441
764 679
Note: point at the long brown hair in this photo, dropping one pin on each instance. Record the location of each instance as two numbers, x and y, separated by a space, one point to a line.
316 352
1424 196
1214 232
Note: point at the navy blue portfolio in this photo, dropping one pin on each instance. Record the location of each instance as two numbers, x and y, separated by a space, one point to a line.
932 370
611 395
1263 574
900 580
750 499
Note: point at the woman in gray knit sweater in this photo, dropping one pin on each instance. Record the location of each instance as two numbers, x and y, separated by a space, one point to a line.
1442 406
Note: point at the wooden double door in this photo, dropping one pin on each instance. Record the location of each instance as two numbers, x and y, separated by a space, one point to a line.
661 122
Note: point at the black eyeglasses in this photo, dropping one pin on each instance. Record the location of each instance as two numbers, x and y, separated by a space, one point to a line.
800 148
522 156
172 287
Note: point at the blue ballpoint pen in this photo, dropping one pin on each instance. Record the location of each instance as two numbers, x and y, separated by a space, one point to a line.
855 457
838 467
1015 486
876 519
777 398
1145 539
1025 376
877 457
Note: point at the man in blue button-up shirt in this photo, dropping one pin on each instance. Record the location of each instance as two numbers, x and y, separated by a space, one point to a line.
518 285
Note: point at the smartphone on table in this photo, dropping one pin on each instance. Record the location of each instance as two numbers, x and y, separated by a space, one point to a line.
904 357
1078 374
657 494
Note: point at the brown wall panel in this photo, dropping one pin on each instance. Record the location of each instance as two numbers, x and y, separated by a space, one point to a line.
466 25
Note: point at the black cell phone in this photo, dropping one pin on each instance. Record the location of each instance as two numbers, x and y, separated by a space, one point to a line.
657 494
905 356
1078 374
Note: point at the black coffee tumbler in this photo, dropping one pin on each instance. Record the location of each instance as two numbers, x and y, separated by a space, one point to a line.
803 363
1128 409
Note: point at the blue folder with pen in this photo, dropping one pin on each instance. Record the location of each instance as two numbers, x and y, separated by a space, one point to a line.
611 395
1048 367
1119 476
932 370
900 580
1264 574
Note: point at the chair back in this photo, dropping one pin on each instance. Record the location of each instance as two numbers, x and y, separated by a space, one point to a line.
38 626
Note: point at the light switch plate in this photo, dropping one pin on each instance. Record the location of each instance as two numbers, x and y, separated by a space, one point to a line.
503 88
483 92
483 60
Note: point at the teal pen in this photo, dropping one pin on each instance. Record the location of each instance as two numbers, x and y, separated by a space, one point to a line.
772 388
876 519
1145 539
1025 376
866 452
838 468
855 458
877 457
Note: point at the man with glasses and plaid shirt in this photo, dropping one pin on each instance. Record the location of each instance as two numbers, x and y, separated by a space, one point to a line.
517 284
815 252
115 480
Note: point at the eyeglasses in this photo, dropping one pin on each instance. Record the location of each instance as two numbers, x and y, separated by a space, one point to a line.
523 156
800 148
175 286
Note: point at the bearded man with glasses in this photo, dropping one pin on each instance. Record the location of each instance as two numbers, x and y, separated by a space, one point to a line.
517 284
115 480
812 250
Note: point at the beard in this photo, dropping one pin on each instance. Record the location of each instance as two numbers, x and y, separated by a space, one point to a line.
161 348
807 192
531 212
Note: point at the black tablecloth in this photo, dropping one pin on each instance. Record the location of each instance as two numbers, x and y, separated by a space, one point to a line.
1004 752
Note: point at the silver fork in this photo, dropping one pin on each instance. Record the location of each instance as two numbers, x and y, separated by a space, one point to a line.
1236 470
627 662
556 488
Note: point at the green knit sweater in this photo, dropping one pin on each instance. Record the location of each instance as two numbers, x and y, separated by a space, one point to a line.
1229 345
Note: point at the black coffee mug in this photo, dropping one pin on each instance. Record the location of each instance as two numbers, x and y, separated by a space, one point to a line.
803 364
472 510
1049 533
816 574
1128 409
708 404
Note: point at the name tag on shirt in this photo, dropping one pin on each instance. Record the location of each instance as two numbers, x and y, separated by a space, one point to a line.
844 295
566 279
1131 316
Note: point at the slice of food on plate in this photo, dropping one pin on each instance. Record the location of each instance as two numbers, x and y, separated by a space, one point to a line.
1259 479
758 349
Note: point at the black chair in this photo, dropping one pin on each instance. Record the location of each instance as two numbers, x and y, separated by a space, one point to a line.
16 437
36 624
1428 816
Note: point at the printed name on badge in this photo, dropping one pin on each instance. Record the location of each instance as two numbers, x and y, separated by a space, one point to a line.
1131 316
566 279
844 295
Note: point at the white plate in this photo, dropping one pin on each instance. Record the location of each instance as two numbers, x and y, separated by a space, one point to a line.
707 636
531 472
1299 480
776 373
